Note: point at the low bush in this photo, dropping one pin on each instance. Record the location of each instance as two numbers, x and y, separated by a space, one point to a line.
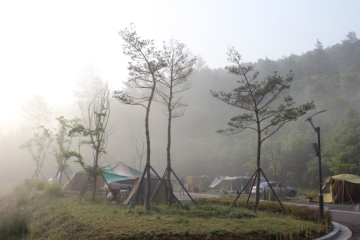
53 190
208 210
22 197
13 225
22 193
39 184
298 211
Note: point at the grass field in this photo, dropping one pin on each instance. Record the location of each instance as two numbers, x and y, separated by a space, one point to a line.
35 215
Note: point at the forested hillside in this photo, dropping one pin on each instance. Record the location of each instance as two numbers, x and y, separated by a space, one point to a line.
328 76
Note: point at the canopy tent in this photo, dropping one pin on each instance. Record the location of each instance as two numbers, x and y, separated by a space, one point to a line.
341 188
233 183
119 171
219 179
115 172
117 175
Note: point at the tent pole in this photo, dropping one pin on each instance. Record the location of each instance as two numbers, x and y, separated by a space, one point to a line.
347 189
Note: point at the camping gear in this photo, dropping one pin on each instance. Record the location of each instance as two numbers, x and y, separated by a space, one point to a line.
119 171
115 172
198 181
233 183
340 188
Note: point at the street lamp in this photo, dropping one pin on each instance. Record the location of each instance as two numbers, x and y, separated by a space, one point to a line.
318 154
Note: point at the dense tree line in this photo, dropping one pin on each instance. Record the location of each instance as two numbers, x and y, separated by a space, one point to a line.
329 77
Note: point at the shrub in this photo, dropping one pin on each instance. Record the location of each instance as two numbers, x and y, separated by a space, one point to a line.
39 185
13 225
301 212
53 190
186 206
22 193
33 184
22 197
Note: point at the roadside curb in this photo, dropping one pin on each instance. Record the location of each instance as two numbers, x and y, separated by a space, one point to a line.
339 232
333 234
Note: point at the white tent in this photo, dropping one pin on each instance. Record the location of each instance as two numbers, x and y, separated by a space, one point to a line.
219 179
234 183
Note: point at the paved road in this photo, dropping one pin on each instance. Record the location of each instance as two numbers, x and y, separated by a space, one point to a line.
349 219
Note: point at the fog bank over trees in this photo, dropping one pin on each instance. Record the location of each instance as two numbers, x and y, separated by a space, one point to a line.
330 77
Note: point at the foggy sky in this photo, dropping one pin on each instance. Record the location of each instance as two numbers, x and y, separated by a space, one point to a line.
46 44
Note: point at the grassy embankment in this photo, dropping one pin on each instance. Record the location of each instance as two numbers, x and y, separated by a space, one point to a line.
50 214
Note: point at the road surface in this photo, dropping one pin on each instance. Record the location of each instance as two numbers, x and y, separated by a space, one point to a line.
349 219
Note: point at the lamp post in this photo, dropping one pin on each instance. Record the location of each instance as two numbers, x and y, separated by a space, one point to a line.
318 154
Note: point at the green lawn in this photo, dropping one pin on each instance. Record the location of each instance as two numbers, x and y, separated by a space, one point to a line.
66 218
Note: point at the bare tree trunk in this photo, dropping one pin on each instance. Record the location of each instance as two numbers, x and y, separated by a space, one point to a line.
148 183
168 182
94 175
144 73
147 133
94 188
257 194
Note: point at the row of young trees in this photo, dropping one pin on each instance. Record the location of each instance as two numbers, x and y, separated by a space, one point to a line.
91 130
147 70
159 76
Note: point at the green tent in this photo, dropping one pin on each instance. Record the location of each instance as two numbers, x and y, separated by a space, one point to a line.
341 188
119 172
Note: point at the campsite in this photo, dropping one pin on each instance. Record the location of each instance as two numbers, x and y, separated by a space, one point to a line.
63 217
208 216
178 119
340 189
117 178
236 183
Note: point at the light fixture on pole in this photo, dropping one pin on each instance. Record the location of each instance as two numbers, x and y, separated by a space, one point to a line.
317 149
